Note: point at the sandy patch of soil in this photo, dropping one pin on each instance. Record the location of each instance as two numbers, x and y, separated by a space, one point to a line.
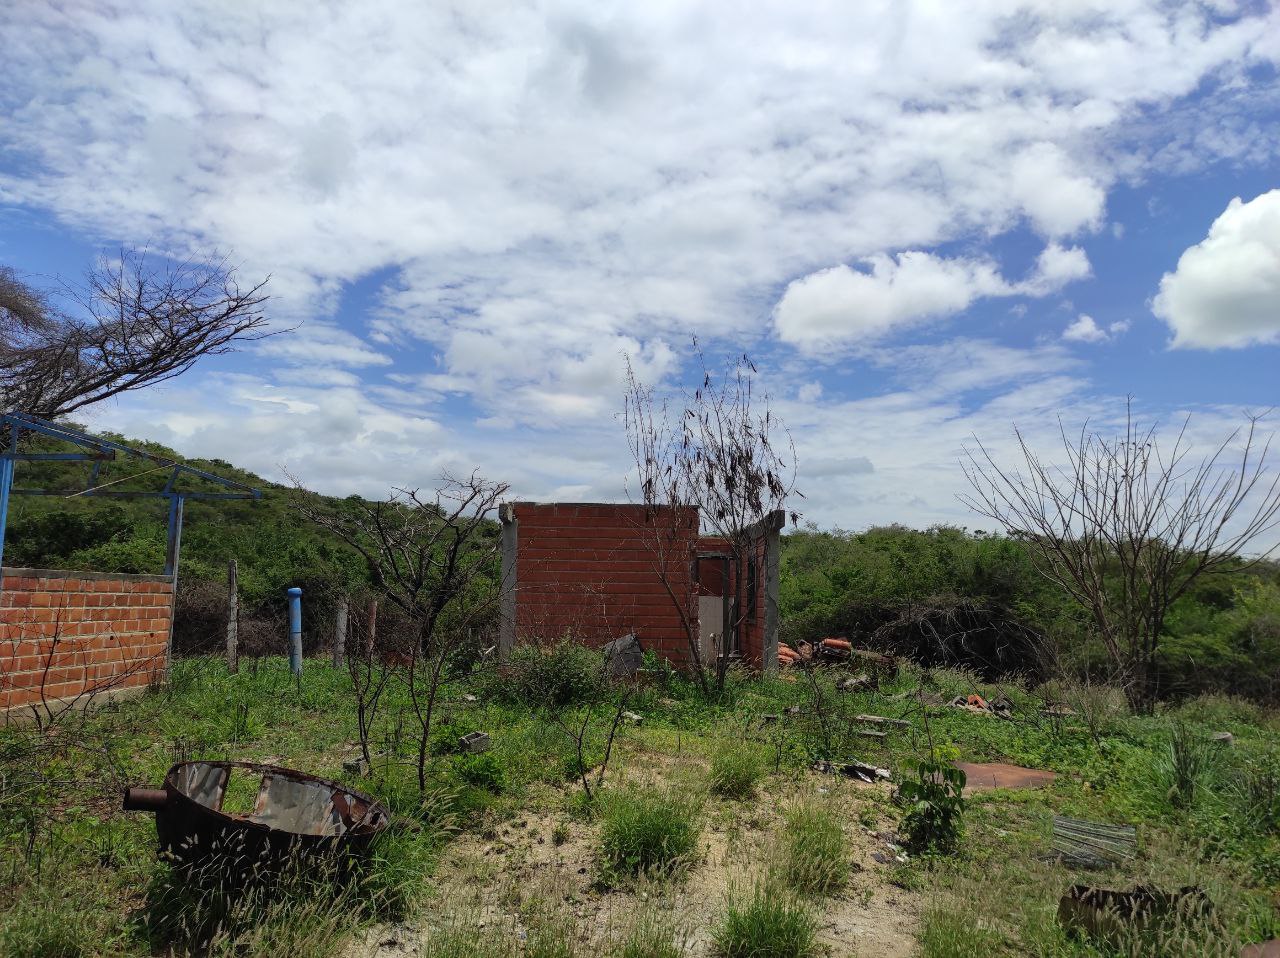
497 875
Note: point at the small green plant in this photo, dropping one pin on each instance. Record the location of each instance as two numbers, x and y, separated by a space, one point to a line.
812 854
1190 759
652 934
770 924
559 834
933 819
735 769
485 770
644 832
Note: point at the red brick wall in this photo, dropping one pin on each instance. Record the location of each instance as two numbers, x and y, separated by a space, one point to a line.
77 633
588 570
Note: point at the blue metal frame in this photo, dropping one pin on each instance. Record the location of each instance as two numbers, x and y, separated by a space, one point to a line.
100 450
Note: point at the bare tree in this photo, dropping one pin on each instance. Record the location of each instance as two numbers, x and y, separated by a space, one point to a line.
137 323
1125 526
434 557
720 454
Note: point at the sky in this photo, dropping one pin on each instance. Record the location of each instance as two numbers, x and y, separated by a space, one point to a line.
924 222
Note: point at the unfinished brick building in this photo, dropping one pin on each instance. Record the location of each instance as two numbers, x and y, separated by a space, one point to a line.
596 571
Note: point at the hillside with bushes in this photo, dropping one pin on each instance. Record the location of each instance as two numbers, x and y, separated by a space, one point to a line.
942 596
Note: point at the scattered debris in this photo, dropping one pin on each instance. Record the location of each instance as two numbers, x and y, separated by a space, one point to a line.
983 776
1082 844
633 717
623 657
870 733
468 697
792 710
1101 912
1058 711
356 766
474 742
856 683
294 813
1001 708
767 718
859 770
881 720
1226 738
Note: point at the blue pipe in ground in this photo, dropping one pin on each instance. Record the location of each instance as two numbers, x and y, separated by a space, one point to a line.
295 630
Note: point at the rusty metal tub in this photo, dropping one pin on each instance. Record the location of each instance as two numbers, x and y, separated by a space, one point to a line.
294 814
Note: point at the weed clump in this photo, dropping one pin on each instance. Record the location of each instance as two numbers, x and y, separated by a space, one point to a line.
555 676
735 769
770 924
812 854
1189 761
649 832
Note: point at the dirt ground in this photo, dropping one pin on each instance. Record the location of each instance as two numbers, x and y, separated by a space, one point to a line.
492 877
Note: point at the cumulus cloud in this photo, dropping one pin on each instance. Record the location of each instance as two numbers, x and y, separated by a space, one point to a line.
845 305
539 191
1225 291
1085 329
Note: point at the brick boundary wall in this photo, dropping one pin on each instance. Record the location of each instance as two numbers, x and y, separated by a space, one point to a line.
67 636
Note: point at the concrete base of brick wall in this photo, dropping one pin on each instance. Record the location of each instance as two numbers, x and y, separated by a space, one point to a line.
70 635
21 714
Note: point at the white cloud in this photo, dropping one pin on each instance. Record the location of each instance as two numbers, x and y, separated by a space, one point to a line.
1055 197
1084 330
546 189
844 305
1225 291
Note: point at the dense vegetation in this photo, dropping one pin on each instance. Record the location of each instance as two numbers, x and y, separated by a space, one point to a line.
944 596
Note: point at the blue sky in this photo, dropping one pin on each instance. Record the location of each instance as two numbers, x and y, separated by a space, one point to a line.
923 221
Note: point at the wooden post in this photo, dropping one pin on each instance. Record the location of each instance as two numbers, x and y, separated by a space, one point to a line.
373 627
233 619
340 633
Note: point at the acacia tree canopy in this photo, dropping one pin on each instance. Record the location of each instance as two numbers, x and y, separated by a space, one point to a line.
134 322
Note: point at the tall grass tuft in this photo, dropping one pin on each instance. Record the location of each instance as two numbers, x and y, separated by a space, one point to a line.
736 768
770 924
812 855
649 832
1190 759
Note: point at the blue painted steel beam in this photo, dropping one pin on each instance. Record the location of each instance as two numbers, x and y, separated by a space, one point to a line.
6 483
58 456
174 545
68 493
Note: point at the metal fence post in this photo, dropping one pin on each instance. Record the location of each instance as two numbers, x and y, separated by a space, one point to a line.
295 630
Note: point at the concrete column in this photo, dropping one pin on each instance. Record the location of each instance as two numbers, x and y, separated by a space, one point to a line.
772 579
507 582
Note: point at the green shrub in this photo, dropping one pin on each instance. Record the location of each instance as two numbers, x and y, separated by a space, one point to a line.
652 934
812 854
1220 711
932 821
554 676
485 770
770 924
651 831
735 769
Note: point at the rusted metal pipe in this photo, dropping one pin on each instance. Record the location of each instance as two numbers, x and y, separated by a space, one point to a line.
139 799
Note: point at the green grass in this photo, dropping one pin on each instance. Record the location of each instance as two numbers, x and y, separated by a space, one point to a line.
79 877
736 769
648 831
768 924
812 855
